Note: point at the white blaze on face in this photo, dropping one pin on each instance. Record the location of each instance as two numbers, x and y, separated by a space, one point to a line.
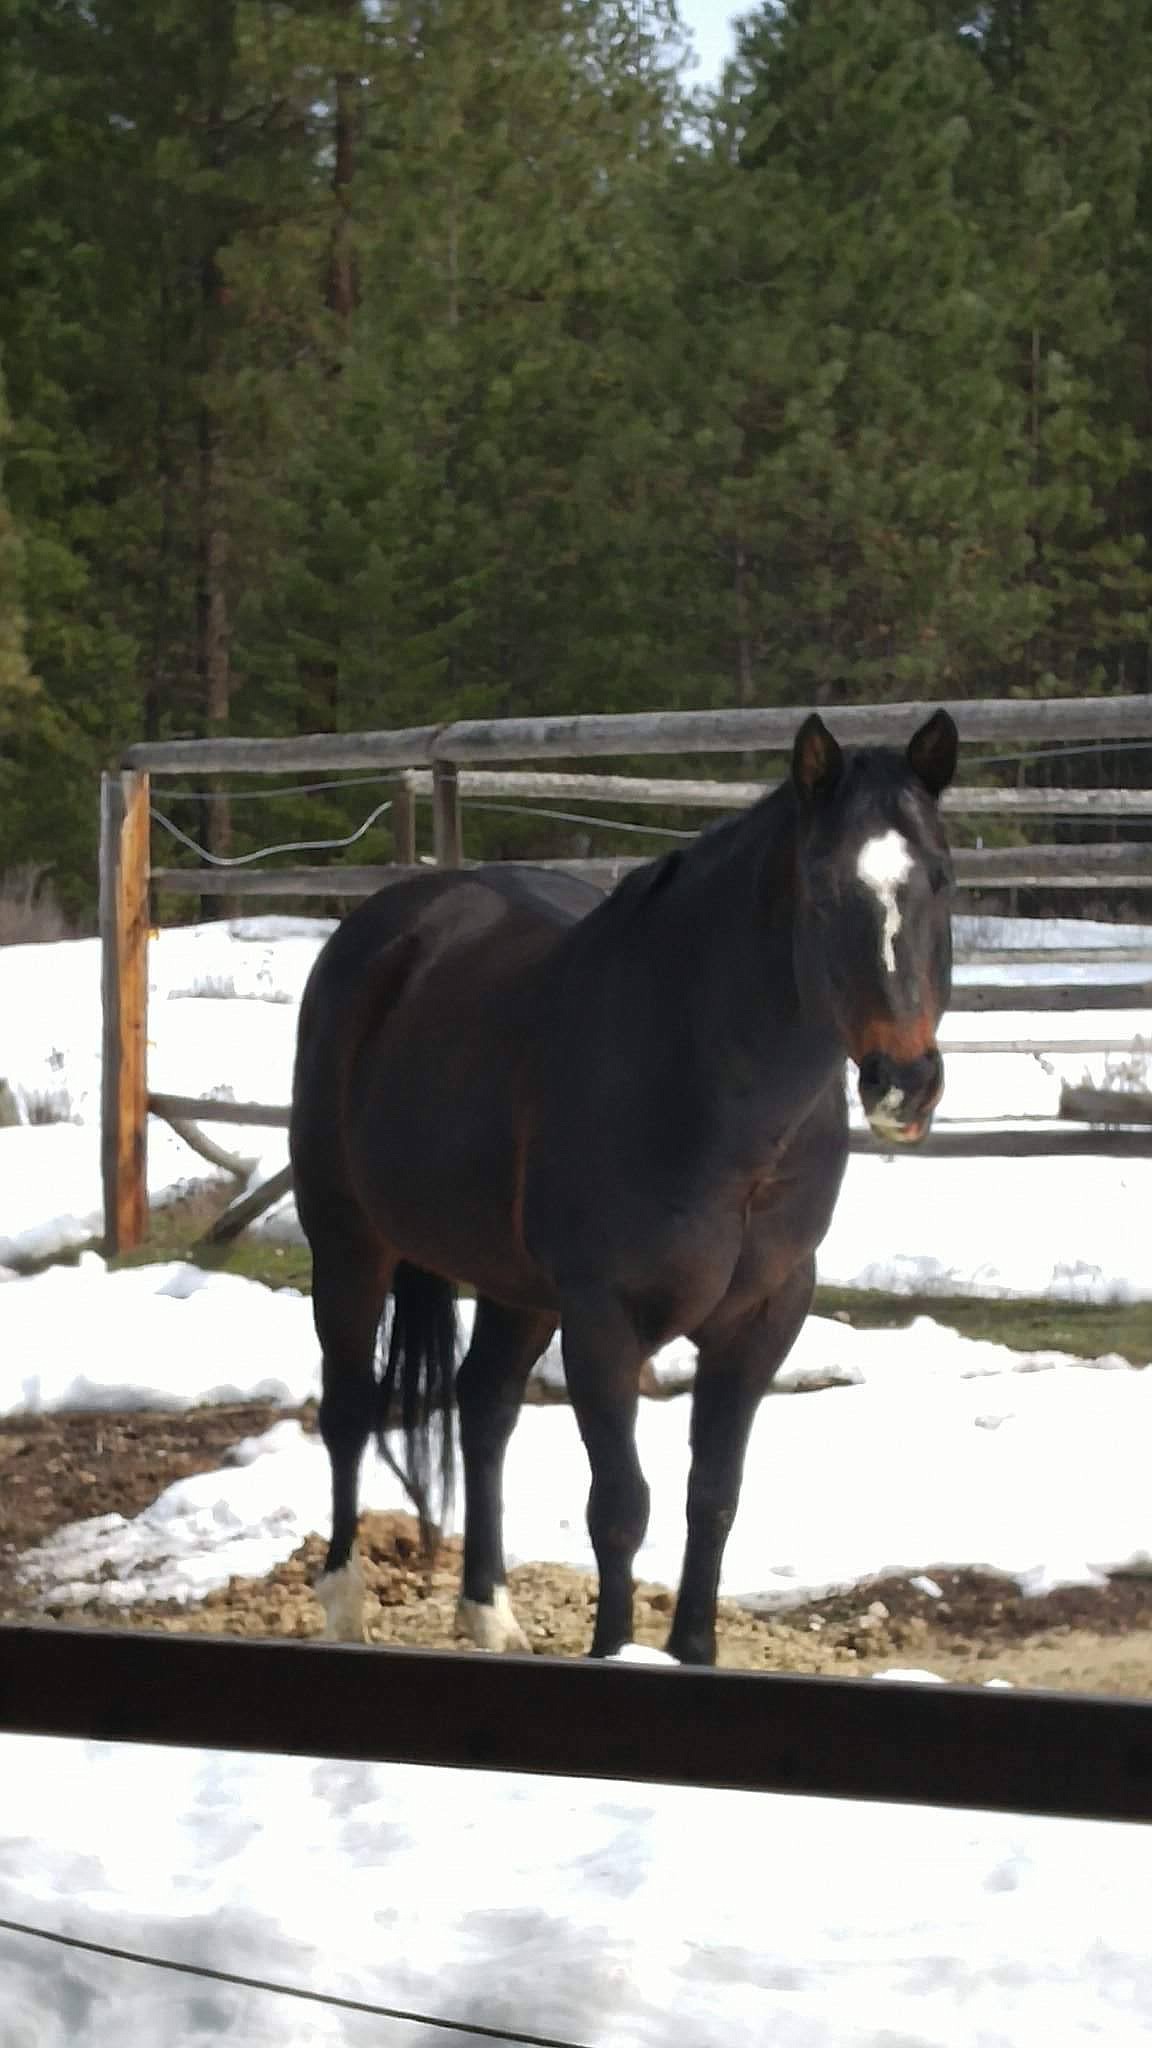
884 863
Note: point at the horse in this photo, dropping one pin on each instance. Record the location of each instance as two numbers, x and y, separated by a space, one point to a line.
623 1116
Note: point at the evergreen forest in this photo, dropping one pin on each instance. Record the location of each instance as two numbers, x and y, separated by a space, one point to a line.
367 363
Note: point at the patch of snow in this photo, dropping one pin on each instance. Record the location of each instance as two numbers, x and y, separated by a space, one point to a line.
911 1676
894 1473
621 1916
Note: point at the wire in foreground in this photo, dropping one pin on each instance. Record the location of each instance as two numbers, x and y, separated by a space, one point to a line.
471 2029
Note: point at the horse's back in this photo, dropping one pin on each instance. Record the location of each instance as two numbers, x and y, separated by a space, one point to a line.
454 905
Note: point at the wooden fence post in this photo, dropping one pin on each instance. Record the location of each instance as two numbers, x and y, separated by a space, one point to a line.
447 830
403 823
124 874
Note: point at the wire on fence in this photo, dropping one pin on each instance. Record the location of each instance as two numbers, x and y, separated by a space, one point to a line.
1061 748
252 796
240 860
472 2029
575 818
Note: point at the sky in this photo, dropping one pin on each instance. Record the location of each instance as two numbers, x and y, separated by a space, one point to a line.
710 25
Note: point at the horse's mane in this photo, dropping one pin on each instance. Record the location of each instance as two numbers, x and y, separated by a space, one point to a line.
755 829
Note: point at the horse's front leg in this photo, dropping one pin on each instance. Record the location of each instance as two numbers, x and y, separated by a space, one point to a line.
603 1356
737 1362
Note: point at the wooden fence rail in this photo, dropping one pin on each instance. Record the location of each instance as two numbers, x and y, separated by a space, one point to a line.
974 1141
959 1746
971 997
982 721
966 955
692 793
992 867
440 761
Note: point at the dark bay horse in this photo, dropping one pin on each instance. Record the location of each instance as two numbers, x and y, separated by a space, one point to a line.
621 1115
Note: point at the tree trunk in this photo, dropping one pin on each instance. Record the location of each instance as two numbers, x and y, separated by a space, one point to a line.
343 289
745 673
213 651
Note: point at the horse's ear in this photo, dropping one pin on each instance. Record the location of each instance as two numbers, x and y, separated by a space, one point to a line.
932 752
816 758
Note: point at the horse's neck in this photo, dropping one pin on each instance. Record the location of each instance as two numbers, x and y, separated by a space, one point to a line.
719 941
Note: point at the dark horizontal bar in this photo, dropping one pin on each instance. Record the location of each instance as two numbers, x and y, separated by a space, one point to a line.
347 882
689 792
204 1109
1078 868
985 719
975 1143
648 732
993 1143
969 997
1063 1754
408 747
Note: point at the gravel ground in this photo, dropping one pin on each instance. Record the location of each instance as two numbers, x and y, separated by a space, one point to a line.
62 1468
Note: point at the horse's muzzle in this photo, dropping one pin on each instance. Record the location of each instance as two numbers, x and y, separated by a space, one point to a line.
899 1096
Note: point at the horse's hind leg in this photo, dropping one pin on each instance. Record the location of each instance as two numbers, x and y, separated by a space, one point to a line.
490 1385
350 1278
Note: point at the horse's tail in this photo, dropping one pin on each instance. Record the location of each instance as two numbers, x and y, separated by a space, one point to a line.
417 1389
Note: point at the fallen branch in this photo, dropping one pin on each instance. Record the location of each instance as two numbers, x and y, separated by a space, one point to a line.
240 1169
240 1213
208 1109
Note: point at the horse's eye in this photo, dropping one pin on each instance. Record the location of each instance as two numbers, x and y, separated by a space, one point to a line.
939 878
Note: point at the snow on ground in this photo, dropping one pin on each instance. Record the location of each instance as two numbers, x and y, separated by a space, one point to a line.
1037 1473
616 1916
172 1336
50 1193
1073 1229
222 1020
927 1448
158 1336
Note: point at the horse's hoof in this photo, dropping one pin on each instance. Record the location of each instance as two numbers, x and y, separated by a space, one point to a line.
341 1595
492 1627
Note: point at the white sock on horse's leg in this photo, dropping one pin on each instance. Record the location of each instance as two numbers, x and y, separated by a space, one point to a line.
341 1595
492 1627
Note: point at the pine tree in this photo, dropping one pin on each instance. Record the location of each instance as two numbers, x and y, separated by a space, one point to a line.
148 339
468 530
872 506
1062 190
16 679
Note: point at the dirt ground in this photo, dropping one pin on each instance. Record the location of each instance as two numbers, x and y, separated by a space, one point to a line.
62 1468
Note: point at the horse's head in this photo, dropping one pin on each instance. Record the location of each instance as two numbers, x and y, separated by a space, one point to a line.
873 925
